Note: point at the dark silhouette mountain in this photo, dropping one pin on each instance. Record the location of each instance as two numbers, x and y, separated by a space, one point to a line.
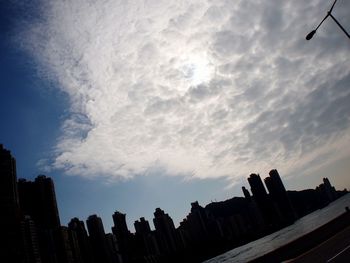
235 205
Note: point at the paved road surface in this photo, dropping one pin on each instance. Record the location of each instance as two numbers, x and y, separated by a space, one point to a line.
334 250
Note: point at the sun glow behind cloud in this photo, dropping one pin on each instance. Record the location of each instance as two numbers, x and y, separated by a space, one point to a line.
196 69
200 88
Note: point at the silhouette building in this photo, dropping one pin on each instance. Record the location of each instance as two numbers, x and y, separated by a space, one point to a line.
113 248
254 213
145 238
9 207
123 235
97 239
31 240
66 246
257 187
38 200
246 193
280 197
198 219
165 230
326 191
262 200
120 228
142 227
80 240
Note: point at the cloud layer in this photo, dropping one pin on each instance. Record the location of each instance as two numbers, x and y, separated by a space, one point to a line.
196 88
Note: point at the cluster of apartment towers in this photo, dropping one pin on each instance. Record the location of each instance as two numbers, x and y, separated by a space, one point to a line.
31 230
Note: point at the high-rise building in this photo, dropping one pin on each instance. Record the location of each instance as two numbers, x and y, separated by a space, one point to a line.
74 246
8 182
38 200
326 192
280 197
165 230
246 193
257 187
142 227
31 241
198 229
145 238
120 228
113 248
97 239
11 247
47 197
66 254
199 220
263 201
329 189
255 216
123 235
80 241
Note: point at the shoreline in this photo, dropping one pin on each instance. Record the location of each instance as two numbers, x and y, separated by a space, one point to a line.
306 242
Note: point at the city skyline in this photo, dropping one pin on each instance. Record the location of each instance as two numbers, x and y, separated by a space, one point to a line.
270 187
133 106
108 219
33 232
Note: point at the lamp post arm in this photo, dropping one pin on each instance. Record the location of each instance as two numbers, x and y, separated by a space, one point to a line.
328 14
341 27
330 11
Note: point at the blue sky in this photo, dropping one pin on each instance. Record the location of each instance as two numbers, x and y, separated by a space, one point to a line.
133 106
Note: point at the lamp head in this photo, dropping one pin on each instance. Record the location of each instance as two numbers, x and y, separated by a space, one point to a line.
310 35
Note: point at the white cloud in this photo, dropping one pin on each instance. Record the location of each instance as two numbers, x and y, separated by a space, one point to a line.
198 88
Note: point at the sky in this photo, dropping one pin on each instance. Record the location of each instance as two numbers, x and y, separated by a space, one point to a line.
133 105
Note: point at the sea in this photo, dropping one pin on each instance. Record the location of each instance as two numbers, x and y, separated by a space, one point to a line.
277 239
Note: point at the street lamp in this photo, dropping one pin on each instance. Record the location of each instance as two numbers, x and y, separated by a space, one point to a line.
312 33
